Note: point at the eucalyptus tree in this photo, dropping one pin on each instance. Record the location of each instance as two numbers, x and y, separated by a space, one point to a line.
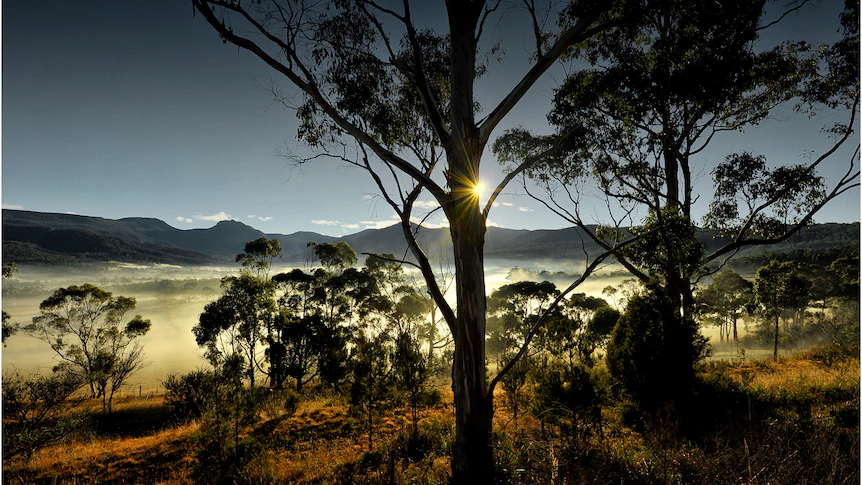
89 329
779 287
726 297
405 99
657 95
513 311
8 328
234 325
259 254
636 123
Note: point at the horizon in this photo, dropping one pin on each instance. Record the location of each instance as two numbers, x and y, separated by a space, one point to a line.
343 235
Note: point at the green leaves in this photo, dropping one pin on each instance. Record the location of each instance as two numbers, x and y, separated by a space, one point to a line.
84 327
752 200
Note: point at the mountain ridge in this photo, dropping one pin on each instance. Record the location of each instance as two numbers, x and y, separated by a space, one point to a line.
31 237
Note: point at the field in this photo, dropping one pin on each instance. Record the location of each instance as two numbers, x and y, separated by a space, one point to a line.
791 421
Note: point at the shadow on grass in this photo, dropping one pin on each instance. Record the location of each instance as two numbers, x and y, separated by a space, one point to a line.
133 421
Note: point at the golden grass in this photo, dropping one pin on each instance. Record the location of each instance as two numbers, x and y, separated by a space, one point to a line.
321 439
109 460
792 373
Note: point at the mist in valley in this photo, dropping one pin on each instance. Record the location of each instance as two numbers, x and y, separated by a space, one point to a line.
173 297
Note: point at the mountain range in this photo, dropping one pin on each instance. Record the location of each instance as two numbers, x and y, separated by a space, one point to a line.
65 239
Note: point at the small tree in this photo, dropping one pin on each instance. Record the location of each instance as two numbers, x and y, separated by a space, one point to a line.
652 353
514 308
225 447
778 287
372 386
411 374
87 328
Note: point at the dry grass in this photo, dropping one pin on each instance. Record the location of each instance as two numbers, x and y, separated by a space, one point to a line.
322 443
795 372
158 457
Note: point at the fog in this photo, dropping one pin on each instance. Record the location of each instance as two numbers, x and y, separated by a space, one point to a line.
173 297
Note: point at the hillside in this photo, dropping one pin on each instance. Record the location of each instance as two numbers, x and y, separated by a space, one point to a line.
65 239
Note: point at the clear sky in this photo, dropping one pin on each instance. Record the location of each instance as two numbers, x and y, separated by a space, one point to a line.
137 109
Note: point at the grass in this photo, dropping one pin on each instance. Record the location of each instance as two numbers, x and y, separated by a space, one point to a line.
804 428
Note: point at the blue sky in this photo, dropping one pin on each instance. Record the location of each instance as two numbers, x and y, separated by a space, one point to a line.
136 108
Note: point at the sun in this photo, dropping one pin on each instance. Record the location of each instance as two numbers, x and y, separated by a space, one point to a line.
479 189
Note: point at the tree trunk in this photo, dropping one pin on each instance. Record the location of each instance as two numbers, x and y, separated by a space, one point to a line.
473 459
775 349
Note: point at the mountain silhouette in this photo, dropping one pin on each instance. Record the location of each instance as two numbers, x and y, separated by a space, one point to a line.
62 239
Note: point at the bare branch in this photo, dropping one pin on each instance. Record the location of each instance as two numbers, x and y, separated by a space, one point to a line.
583 30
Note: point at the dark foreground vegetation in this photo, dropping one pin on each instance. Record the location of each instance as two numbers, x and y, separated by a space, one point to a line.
791 421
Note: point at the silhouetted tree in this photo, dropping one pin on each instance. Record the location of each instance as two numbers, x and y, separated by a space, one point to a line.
372 378
652 352
603 322
411 375
88 329
406 98
235 323
258 256
778 287
726 297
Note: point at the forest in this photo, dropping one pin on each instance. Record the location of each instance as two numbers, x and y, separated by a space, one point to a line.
398 371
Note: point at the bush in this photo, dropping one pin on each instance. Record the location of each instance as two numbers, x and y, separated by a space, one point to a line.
226 450
653 351
188 393
570 397
291 401
34 412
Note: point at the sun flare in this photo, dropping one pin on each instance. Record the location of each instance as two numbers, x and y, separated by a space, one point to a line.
479 189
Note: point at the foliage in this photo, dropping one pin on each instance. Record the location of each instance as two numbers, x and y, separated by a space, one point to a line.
189 393
372 379
234 324
35 412
778 287
8 328
87 328
226 452
653 350
603 322
571 397
258 255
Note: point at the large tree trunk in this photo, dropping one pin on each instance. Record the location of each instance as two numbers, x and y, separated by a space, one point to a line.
473 459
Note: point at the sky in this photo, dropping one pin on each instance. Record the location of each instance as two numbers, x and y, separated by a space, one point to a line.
136 109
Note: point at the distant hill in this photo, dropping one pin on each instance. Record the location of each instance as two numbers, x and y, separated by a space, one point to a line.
63 239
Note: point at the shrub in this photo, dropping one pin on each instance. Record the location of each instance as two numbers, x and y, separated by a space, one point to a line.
34 412
653 351
570 397
226 450
188 393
